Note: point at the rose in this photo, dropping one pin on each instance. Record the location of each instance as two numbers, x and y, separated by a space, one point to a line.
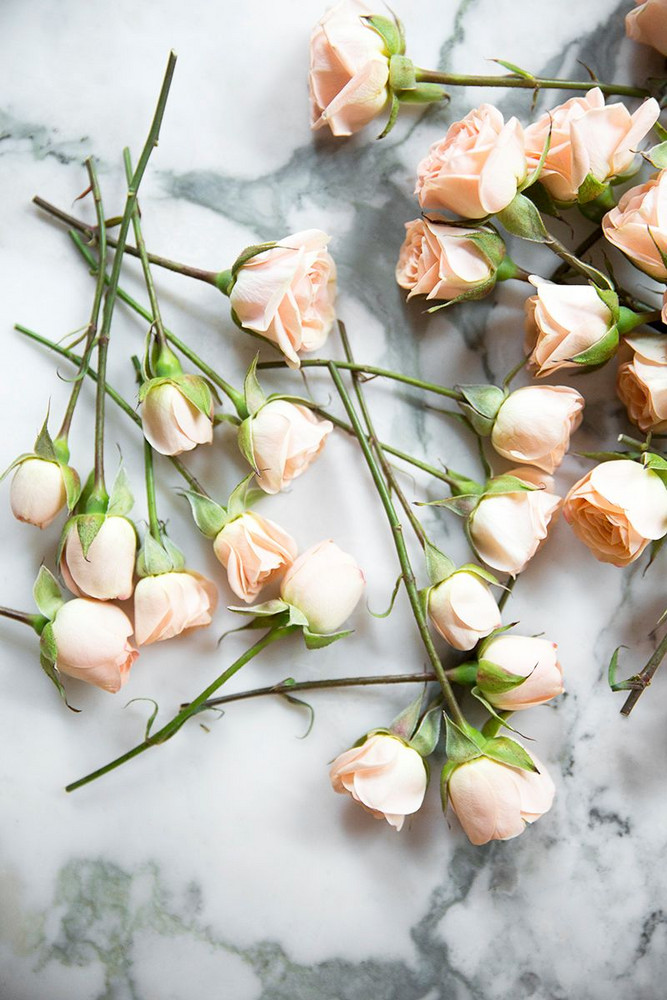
386 776
521 656
254 551
172 423
494 801
617 509
91 641
463 609
349 69
507 529
37 493
170 604
284 439
642 382
563 321
638 226
476 169
106 570
325 584
647 23
286 294
534 424
440 262
588 140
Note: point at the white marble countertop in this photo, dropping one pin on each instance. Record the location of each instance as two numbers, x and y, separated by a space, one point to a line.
222 864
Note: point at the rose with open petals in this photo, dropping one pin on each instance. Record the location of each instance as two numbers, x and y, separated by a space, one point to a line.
642 382
476 169
521 656
171 604
638 226
284 439
91 642
534 424
563 321
440 262
286 294
386 776
325 584
349 69
37 493
617 509
463 609
647 23
254 551
106 571
171 423
588 139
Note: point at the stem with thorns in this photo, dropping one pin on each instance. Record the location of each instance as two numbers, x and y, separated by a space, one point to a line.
644 678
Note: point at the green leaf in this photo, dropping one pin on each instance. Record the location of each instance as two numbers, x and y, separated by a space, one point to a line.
121 499
72 485
47 594
253 392
613 670
427 735
515 70
405 723
302 704
590 189
601 351
522 218
44 445
314 640
507 751
462 746
48 653
438 565
394 593
151 718
245 443
249 253
208 515
390 33
88 527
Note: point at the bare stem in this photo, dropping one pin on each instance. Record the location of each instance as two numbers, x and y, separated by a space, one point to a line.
644 678
524 83
373 370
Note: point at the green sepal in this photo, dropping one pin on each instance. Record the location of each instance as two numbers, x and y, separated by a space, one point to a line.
494 679
461 485
48 654
615 685
208 515
543 201
610 299
406 722
227 418
534 175
438 565
481 572
479 695
391 34
15 464
462 505
197 391
655 548
249 253
488 639
462 746
296 617
425 739
481 406
151 718
153 559
394 108
657 156
507 484
44 447
121 499
447 771
601 351
72 485
663 255
423 93
314 640
590 189
657 464
265 610
174 553
490 243
394 594
87 528
522 218
245 442
507 751
47 594
608 456
479 291
224 282
242 497
252 390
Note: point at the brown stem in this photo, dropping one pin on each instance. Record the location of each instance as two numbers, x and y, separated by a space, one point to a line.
644 678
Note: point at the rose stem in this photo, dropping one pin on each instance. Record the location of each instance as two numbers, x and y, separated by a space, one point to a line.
525 83
586 244
364 369
399 542
117 398
151 502
644 678
172 727
34 621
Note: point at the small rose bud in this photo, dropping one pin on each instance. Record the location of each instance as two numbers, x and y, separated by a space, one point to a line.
642 382
638 226
386 776
106 572
463 609
37 493
254 551
534 425
563 321
91 640
647 23
171 423
286 438
440 262
171 604
325 584
522 656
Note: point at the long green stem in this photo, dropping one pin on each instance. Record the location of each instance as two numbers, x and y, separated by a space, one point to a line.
399 542
373 370
172 727
151 501
644 678
524 83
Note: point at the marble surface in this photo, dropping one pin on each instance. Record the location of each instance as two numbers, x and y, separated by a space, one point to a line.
222 864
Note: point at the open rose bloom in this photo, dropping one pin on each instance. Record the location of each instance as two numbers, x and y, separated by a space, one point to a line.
642 382
171 604
638 226
92 643
562 321
287 294
436 260
37 492
349 69
106 572
325 584
534 425
617 509
171 423
647 23
387 777
254 551
463 609
286 438
524 656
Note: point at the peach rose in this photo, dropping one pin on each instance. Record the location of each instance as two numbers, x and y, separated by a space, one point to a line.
476 169
494 801
534 424
463 609
325 584
647 23
587 139
386 776
638 226
171 604
642 383
436 260
254 551
561 322
287 294
171 423
286 438
524 656
91 641
507 529
349 69
37 493
106 572
617 509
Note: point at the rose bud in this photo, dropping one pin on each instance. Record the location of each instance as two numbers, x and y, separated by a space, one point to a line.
349 69
286 294
91 640
37 493
286 438
254 551
617 509
647 23
563 321
638 226
534 424
521 656
386 776
507 529
463 609
476 169
495 801
106 572
441 262
171 423
325 584
588 140
642 383
171 604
